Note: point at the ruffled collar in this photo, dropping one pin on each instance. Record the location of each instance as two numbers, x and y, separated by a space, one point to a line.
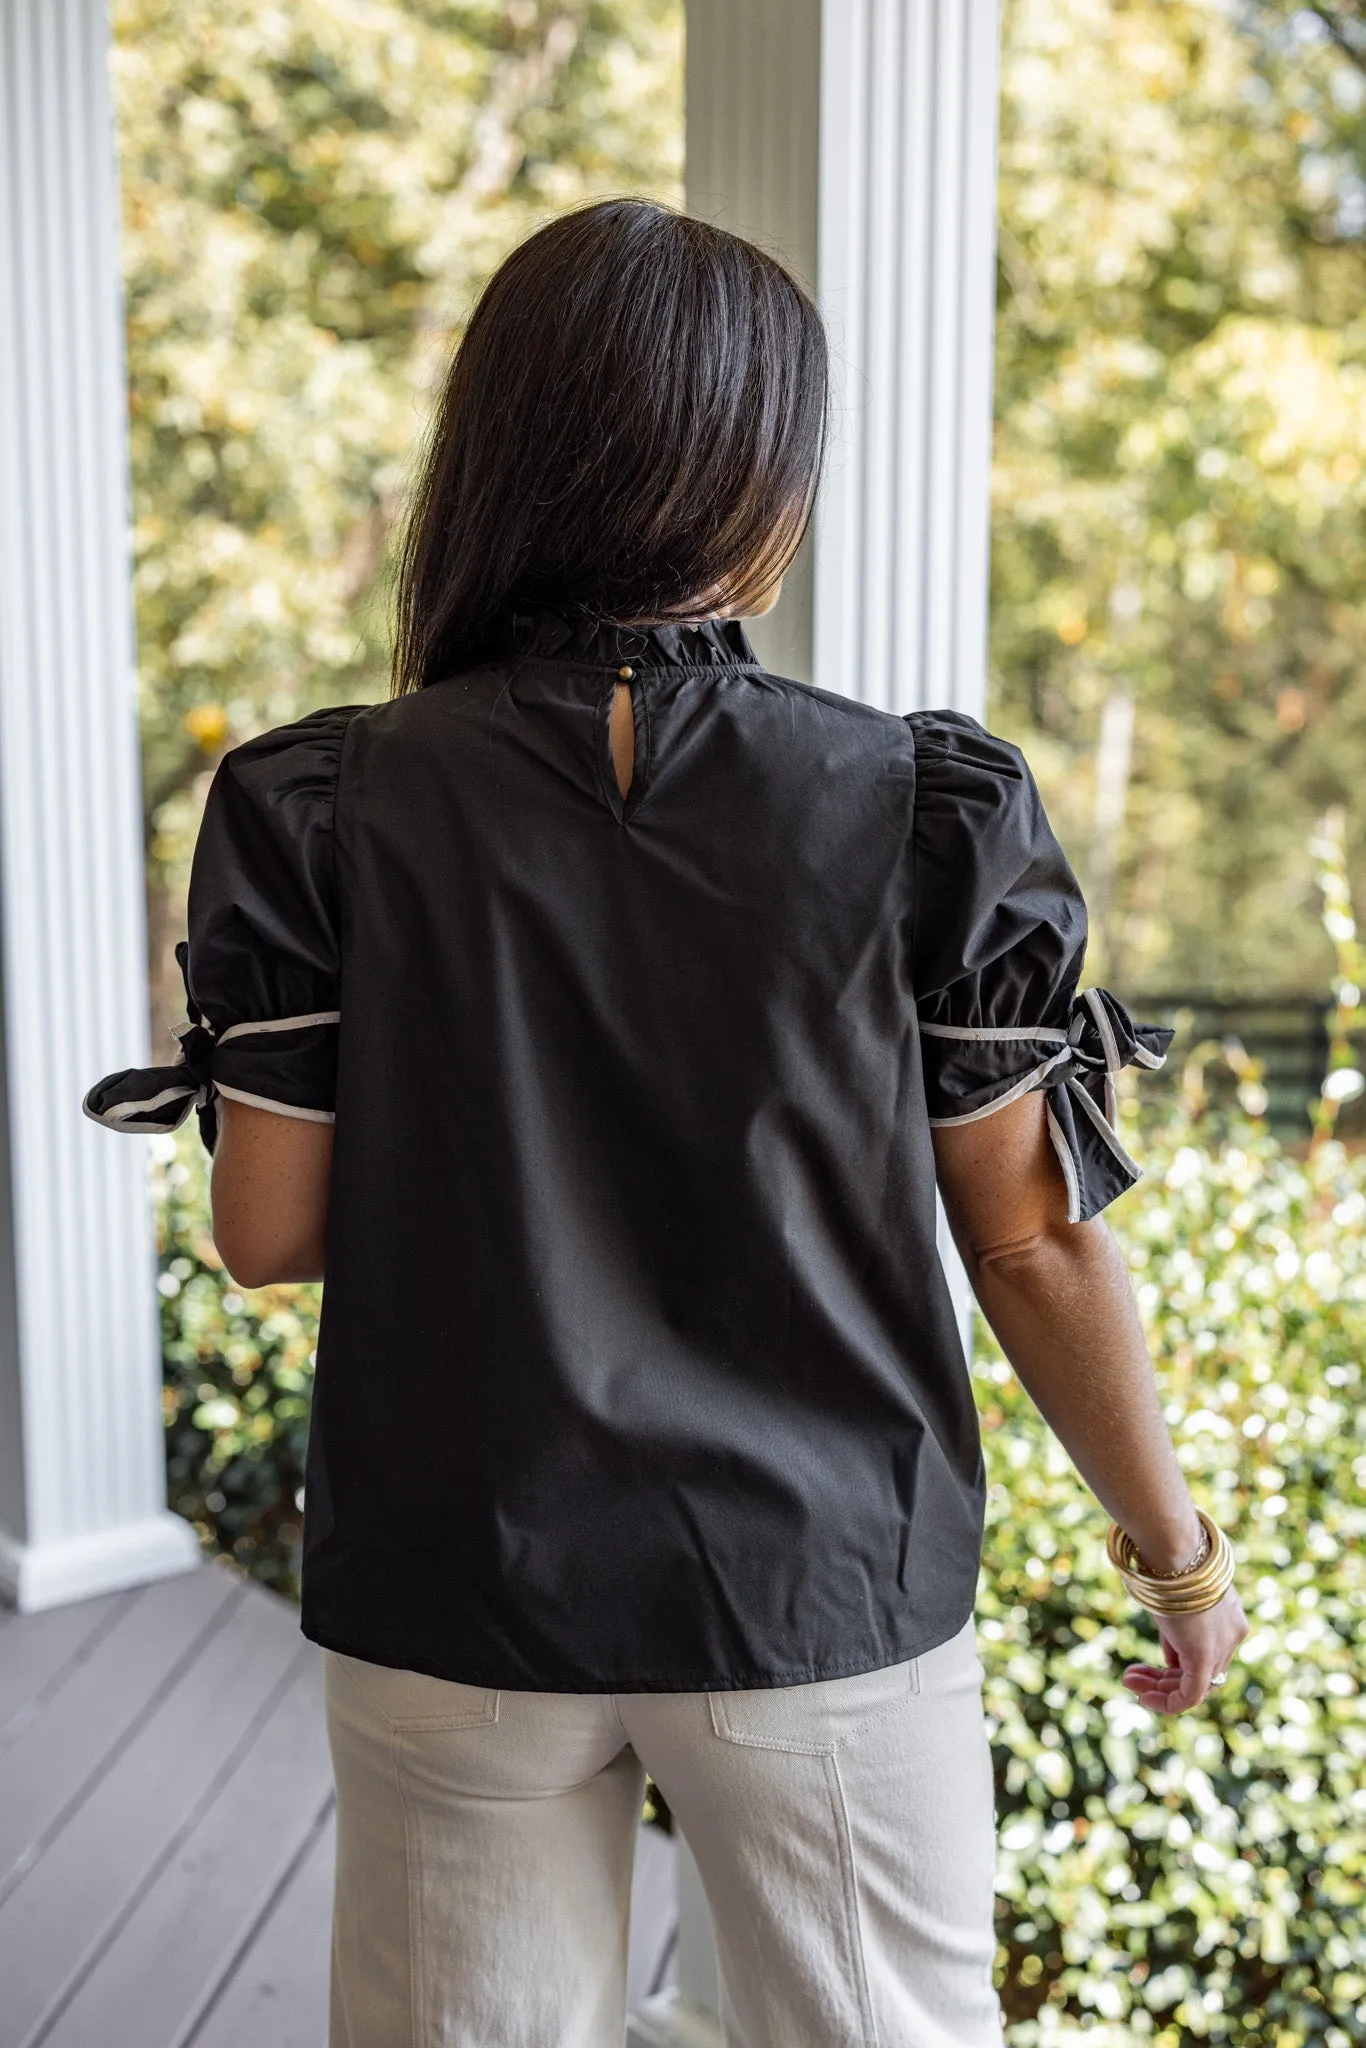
596 643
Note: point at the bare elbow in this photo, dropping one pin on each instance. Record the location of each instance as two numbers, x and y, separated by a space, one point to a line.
1013 1255
245 1266
251 1261
243 1270
1019 1262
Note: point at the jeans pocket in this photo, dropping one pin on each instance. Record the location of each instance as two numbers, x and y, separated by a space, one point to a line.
411 1701
816 1719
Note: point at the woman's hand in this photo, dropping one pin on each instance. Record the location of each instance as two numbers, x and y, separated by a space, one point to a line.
1199 1648
1059 1298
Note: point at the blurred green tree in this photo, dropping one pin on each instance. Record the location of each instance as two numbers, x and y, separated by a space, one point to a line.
314 193
1179 553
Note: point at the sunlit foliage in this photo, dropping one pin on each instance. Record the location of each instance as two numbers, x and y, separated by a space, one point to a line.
1203 1878
315 190
314 193
1179 548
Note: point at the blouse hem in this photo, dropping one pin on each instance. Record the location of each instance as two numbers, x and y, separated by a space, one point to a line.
672 1682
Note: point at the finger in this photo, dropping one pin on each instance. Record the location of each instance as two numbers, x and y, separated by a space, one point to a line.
1141 1687
1194 1685
1158 1702
1175 1699
1174 1689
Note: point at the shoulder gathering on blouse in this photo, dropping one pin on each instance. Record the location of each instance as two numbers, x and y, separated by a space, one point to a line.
638 1369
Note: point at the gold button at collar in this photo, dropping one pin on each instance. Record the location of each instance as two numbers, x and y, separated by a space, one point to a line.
625 672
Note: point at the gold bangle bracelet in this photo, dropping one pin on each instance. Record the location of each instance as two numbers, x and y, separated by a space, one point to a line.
1201 1555
1193 1591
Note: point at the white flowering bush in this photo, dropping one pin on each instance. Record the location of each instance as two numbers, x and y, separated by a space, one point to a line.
1199 1878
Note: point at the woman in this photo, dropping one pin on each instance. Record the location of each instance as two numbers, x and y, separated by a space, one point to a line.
598 1015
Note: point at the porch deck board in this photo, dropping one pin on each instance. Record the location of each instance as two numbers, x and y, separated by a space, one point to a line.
36 1656
102 1697
166 1828
206 1904
278 1992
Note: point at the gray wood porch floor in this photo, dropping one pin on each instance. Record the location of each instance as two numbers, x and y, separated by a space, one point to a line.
166 1826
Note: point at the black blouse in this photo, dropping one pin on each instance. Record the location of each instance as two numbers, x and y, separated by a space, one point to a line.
638 1369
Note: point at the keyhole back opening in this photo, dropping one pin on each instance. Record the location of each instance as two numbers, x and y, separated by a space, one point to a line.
622 732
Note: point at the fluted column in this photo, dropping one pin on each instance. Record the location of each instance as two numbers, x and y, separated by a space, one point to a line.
82 1496
856 139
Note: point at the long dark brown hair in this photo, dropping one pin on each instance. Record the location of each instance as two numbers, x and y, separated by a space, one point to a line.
631 430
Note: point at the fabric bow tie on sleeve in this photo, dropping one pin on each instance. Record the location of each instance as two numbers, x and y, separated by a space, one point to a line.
160 1098
1101 1038
990 1066
286 1064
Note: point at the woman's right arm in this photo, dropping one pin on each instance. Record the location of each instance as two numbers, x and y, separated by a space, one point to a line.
1058 1296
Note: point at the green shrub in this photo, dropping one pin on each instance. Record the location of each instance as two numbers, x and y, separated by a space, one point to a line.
1162 1881
1202 1878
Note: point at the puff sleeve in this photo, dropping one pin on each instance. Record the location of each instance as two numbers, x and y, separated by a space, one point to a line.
999 942
261 964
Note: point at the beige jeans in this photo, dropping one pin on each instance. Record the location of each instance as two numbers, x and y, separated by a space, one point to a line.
844 1831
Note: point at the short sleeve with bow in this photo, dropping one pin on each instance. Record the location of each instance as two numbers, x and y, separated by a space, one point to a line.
261 964
1000 938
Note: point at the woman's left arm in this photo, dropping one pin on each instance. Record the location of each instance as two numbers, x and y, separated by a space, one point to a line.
269 1194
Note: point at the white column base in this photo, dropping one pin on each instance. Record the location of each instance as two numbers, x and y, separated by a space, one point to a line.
37 1575
670 2021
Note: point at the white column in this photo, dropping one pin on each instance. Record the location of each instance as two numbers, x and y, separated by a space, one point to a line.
856 139
82 1493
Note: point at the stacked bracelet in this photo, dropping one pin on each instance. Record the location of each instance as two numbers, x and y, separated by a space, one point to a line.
1200 1586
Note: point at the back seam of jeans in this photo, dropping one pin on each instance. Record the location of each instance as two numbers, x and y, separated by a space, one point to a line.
417 2009
844 1838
